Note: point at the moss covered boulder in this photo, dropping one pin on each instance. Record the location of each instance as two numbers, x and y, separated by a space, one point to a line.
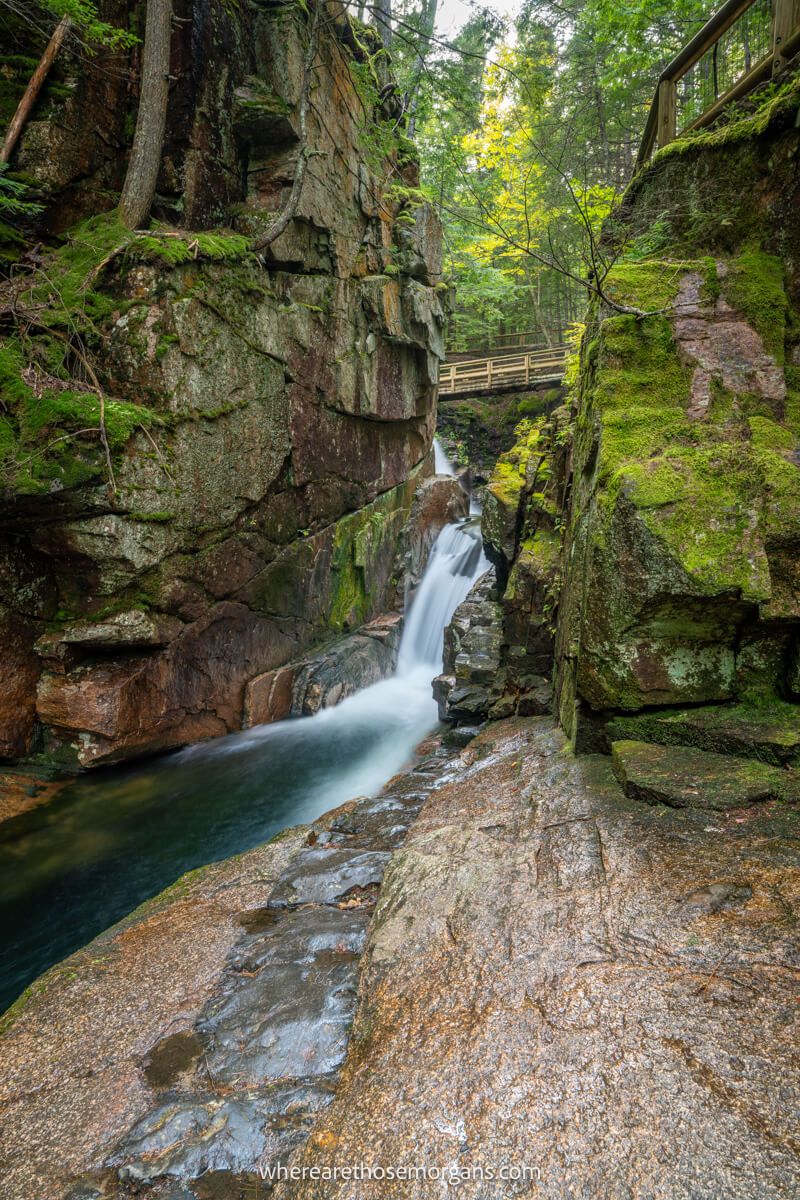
685 524
687 778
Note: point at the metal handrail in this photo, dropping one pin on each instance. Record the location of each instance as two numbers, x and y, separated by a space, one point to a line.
783 41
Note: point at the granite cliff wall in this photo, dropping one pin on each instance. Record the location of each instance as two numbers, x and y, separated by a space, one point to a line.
267 418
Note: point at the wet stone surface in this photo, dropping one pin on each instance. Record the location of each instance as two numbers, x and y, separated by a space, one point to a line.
563 978
241 1090
472 645
554 975
323 875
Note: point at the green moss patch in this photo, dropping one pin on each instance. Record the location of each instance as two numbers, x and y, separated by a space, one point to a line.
699 485
777 107
508 477
652 285
174 247
49 431
754 286
52 439
689 778
642 389
769 731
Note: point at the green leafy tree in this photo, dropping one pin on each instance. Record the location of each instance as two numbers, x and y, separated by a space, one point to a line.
527 136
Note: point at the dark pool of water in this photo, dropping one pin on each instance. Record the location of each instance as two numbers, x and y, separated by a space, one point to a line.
110 840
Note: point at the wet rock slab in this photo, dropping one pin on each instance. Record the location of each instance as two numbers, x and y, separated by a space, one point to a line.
196 1043
264 1055
560 978
323 875
76 1048
472 643
191 1135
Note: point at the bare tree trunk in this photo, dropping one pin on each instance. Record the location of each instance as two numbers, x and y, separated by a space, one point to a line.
151 119
428 25
34 87
383 19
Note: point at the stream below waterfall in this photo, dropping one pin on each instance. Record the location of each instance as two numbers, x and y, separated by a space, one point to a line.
111 839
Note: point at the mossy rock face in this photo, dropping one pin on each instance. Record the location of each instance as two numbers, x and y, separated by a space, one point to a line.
769 732
339 577
225 442
523 530
478 431
685 528
723 188
687 778
505 492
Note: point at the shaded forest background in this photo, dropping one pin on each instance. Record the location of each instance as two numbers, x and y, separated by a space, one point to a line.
528 132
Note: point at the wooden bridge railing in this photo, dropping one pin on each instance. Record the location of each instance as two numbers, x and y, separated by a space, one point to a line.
507 372
525 339
743 44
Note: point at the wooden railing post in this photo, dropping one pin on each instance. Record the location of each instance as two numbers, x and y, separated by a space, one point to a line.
666 128
489 373
785 19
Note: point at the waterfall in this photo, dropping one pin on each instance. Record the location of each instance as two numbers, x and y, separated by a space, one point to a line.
443 466
111 839
441 463
455 562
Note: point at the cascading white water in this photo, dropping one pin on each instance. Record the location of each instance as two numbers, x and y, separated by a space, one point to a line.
455 562
441 463
113 839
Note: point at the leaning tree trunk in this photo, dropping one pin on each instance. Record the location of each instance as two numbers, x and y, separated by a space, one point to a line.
34 87
151 119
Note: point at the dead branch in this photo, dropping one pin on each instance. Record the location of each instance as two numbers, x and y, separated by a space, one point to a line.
34 87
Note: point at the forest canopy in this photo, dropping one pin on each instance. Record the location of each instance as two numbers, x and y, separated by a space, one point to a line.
528 130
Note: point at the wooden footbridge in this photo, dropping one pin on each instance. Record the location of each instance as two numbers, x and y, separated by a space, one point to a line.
502 372
743 46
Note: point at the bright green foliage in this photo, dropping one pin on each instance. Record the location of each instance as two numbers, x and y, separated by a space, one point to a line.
527 138
14 206
85 16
